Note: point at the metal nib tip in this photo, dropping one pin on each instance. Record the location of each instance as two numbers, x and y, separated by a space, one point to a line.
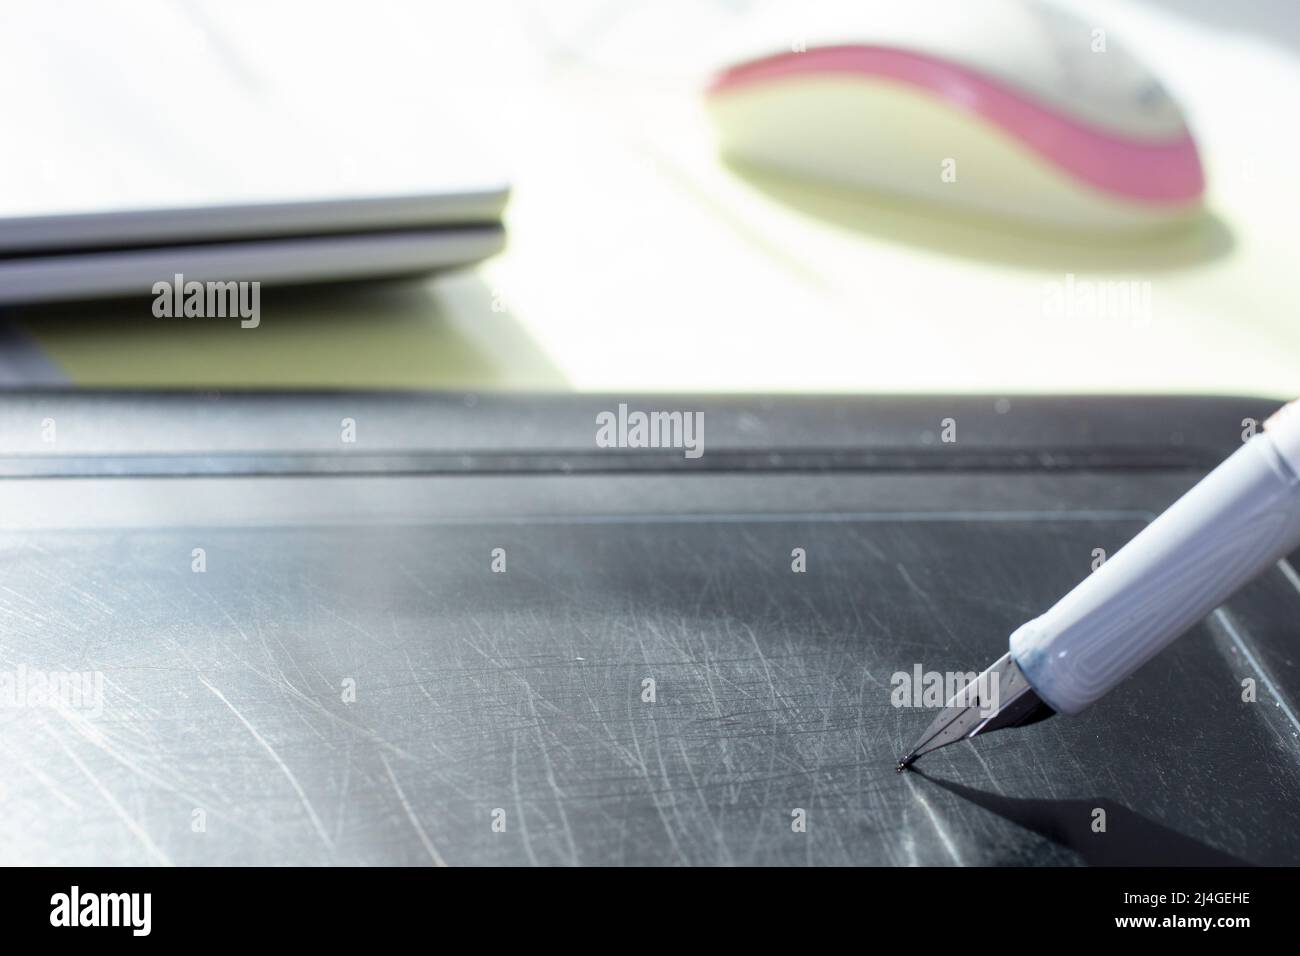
1003 687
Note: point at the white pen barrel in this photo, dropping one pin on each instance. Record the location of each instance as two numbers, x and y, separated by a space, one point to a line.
1238 521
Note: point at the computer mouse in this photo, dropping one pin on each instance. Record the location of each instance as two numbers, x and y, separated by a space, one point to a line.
1007 107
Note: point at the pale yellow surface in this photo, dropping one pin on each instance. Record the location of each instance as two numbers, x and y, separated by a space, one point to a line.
638 261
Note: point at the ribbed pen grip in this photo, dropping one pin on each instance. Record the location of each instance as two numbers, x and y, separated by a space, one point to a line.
1232 526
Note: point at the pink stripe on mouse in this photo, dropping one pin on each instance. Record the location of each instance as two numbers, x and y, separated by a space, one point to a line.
1160 171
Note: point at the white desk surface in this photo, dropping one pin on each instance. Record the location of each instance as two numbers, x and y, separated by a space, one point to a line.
637 261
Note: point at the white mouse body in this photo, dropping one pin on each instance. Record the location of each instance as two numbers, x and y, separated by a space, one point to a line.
998 106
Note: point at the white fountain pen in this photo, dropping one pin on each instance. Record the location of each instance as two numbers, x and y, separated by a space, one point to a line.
1234 524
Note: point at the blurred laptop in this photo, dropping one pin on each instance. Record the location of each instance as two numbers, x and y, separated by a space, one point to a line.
141 144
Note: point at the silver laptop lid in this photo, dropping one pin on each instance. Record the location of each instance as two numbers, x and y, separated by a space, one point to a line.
145 125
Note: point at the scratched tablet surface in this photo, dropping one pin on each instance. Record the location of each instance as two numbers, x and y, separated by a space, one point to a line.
356 687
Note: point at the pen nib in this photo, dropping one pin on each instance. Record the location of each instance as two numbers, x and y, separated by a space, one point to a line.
1010 702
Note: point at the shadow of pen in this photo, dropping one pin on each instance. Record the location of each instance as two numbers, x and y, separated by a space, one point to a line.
1130 839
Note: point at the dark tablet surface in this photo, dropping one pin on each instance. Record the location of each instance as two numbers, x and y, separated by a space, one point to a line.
351 677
